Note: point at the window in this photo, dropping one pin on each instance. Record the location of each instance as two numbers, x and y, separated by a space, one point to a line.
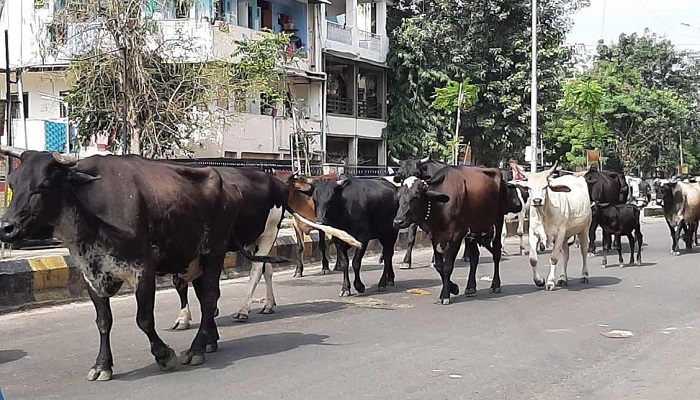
337 150
15 110
369 96
368 152
63 106
367 17
340 88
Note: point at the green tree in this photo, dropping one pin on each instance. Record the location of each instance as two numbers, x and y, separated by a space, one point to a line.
487 42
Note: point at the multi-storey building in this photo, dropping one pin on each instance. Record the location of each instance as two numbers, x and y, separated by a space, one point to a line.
339 82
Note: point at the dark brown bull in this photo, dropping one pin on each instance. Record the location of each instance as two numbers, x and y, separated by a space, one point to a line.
457 203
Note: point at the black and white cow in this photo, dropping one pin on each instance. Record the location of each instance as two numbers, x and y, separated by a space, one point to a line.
365 209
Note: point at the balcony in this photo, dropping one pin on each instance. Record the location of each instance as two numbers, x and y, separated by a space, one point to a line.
370 41
357 28
339 105
339 33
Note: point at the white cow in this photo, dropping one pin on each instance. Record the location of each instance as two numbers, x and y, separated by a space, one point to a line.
561 208
520 217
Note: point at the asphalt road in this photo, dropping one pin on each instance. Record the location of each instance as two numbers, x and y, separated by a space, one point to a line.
524 343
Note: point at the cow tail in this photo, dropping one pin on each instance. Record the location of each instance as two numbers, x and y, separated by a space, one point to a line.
263 259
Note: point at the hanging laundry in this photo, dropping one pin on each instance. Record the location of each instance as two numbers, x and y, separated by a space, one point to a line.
55 133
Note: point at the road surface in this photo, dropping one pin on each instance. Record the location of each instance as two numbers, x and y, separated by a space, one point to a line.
524 343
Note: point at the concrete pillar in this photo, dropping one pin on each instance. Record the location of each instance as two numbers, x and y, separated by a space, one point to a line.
351 22
381 18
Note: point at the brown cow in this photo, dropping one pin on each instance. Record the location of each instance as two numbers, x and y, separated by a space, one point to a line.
304 206
457 203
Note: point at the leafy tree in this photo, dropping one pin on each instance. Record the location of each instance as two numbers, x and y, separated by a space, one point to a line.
487 42
124 68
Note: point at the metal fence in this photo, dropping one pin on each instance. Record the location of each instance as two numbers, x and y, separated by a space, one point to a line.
285 165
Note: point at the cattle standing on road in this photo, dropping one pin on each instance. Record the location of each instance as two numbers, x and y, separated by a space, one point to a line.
365 208
265 199
604 187
457 203
618 220
422 168
303 205
125 218
681 205
561 207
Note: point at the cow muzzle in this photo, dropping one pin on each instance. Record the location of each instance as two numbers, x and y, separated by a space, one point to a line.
9 231
537 202
400 223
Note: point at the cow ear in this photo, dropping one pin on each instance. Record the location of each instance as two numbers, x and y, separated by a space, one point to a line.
77 178
437 196
560 188
434 181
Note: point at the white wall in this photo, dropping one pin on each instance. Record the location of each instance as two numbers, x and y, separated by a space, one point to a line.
349 126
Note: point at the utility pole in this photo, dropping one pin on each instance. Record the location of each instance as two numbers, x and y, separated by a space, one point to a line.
533 94
455 151
125 89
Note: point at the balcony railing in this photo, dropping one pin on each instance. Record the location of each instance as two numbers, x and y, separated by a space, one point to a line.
339 33
339 105
370 41
369 109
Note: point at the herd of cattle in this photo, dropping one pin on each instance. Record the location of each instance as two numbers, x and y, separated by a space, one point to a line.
129 219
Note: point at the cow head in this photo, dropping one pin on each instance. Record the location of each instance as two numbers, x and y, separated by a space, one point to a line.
415 198
326 194
664 191
39 186
538 185
409 167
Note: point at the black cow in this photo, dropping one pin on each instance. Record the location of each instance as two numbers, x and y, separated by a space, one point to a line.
422 168
681 205
125 218
457 203
265 199
604 187
618 220
365 208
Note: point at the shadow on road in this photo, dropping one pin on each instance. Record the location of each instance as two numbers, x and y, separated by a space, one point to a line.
234 350
7 356
286 311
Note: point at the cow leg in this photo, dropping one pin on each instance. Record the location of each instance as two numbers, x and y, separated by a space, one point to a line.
465 255
299 272
388 275
356 265
591 235
411 241
145 302
677 237
504 230
256 271
444 263
323 248
496 252
471 249
381 258
206 286
640 239
102 370
554 260
185 317
520 232
564 277
630 238
606 249
338 266
583 239
618 243
343 264
270 302
534 243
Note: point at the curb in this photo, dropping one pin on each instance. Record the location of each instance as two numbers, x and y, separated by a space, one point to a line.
35 282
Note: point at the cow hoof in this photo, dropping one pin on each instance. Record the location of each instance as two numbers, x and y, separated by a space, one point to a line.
495 290
676 253
240 317
541 247
444 302
381 288
298 274
325 271
345 293
192 358
360 287
170 362
562 282
622 265
465 259
584 279
212 347
539 283
470 291
454 288
404 266
97 373
267 310
550 286
180 326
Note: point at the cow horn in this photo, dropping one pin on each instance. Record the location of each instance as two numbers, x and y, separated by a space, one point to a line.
12 151
394 159
425 160
63 159
554 167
